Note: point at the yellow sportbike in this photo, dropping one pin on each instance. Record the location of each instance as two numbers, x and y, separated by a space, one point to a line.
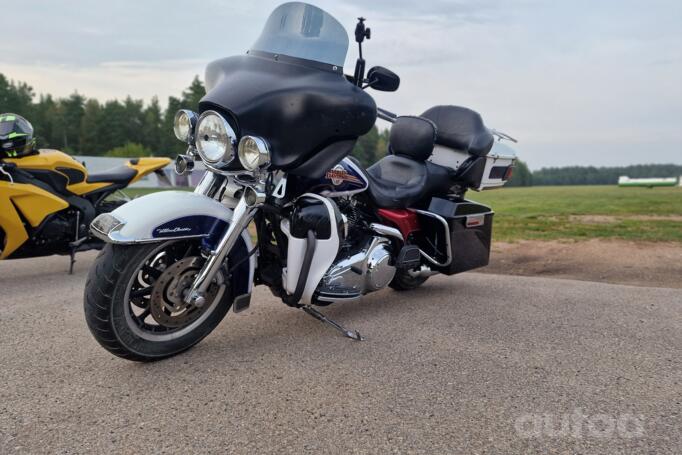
48 200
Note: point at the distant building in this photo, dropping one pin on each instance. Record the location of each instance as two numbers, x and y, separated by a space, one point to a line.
624 180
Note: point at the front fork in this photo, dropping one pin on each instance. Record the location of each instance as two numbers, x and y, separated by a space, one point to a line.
249 202
243 213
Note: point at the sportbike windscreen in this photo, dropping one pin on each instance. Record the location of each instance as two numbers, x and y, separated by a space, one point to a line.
304 31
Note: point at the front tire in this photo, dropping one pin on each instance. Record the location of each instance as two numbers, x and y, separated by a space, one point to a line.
130 289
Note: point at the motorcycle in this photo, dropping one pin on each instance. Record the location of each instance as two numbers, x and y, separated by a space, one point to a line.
48 200
275 131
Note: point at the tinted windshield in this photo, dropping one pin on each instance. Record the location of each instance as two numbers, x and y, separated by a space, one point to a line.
304 31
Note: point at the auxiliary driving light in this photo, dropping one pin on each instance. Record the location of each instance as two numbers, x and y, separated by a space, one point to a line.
184 124
253 153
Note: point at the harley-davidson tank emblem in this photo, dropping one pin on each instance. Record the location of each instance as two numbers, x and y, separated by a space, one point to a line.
338 175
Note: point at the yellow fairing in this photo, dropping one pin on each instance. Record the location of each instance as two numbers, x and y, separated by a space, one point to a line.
51 160
33 202
144 166
54 160
48 160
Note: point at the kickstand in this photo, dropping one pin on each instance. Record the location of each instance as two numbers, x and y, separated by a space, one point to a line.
72 252
353 334
72 260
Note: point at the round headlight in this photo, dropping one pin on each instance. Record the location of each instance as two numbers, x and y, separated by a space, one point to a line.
253 153
215 139
184 124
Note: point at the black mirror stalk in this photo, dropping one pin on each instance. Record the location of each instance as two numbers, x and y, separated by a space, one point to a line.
361 32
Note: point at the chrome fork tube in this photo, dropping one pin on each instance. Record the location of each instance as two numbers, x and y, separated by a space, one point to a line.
209 184
242 216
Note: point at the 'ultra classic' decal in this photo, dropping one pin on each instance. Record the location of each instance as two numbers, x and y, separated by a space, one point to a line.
190 225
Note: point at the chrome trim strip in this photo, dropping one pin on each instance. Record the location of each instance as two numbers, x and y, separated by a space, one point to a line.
332 299
99 234
126 241
387 230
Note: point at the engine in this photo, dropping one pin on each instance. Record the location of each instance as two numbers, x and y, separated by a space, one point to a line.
367 269
53 237
341 261
364 263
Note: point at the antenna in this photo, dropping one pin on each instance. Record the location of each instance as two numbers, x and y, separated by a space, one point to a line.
361 32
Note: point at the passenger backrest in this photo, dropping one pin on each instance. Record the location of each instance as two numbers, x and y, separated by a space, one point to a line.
412 137
461 129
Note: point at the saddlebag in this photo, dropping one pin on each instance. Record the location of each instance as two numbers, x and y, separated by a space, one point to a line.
469 229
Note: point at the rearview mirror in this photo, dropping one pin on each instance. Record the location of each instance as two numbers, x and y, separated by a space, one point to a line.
382 79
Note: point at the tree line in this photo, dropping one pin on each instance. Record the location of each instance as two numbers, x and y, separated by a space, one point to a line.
589 175
85 126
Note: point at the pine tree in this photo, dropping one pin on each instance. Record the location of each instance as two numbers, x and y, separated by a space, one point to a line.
91 127
192 95
152 127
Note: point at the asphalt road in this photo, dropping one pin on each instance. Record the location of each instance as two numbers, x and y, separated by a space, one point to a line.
468 364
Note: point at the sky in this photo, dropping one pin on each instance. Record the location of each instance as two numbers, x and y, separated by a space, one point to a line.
576 82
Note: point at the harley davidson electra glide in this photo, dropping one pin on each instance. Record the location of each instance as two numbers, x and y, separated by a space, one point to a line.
274 131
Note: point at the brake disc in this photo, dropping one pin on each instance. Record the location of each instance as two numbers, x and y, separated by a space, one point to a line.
167 302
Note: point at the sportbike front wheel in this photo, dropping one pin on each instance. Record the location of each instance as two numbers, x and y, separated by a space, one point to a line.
134 299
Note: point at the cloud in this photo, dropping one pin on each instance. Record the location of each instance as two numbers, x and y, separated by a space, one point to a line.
110 80
578 82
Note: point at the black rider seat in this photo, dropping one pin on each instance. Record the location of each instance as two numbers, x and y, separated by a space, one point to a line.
461 129
404 178
397 182
121 175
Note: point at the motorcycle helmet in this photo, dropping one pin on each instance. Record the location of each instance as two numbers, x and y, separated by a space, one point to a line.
16 136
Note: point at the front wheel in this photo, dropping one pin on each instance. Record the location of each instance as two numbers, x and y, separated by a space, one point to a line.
134 299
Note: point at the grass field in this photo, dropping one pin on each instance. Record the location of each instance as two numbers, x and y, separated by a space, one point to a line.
583 212
578 212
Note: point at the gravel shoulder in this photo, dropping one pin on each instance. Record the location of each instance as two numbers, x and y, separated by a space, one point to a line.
649 264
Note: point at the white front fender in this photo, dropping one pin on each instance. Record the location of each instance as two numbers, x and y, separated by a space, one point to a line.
162 216
169 215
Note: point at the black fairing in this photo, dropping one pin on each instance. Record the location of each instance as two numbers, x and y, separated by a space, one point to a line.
299 107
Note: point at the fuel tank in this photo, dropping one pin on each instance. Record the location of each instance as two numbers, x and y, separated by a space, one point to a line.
58 170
